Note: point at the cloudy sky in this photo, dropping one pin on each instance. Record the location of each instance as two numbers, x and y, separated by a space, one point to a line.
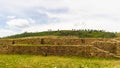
18 16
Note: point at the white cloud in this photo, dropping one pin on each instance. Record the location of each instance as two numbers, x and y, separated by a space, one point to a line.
11 17
81 14
20 23
45 27
6 32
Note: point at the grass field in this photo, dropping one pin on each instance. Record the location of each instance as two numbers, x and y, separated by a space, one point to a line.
37 61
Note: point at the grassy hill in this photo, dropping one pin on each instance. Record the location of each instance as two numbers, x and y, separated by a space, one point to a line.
37 61
77 33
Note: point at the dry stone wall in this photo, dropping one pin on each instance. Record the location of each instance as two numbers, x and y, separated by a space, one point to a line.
112 47
97 47
82 51
51 41
6 42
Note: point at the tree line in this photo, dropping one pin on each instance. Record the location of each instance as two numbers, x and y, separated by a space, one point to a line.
73 32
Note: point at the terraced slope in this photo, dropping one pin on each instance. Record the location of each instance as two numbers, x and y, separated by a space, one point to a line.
86 47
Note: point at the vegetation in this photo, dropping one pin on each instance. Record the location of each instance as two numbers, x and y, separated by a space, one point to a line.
78 33
118 35
37 61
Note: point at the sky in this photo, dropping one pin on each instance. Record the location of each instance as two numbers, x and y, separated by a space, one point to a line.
18 16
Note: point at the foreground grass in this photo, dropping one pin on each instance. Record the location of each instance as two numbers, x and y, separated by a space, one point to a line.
36 61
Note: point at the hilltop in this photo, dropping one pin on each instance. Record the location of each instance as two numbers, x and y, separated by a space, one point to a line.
74 33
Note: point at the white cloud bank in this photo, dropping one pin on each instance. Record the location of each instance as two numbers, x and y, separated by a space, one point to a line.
81 14
21 23
5 32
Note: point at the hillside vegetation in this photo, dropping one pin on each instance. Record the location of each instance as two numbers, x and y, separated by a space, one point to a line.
77 33
37 61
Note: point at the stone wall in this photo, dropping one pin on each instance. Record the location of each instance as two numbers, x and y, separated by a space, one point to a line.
112 47
51 41
83 51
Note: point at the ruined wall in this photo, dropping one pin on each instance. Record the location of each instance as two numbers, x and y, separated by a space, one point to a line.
112 47
99 47
28 41
6 42
51 41
83 51
118 50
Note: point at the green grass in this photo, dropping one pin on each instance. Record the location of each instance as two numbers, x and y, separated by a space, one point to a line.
37 61
77 33
118 35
